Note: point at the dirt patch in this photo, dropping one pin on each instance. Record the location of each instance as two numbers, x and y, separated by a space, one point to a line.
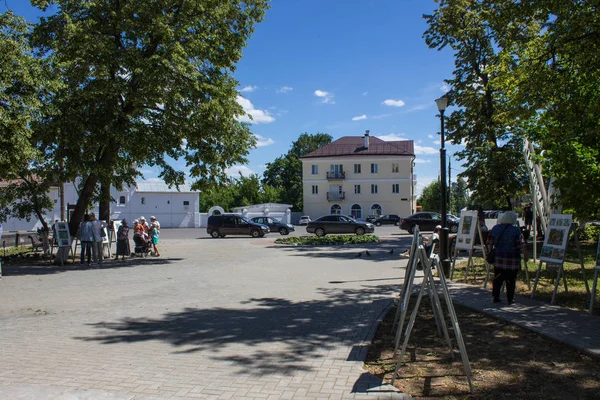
508 362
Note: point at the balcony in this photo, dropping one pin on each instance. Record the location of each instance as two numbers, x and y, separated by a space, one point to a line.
332 175
336 196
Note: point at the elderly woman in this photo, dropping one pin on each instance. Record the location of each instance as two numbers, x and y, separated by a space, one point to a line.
507 239
123 248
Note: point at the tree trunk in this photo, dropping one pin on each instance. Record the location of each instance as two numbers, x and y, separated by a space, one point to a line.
104 209
82 203
509 203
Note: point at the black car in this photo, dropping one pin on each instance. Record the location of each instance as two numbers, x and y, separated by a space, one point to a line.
338 224
274 225
233 224
389 219
426 221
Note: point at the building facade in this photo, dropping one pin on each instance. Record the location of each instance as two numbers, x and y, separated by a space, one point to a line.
359 176
172 207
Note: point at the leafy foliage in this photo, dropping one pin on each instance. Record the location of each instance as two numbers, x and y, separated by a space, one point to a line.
328 240
143 81
238 192
285 173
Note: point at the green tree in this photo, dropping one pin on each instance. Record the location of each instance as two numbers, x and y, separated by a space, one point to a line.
459 195
238 192
430 198
24 82
145 80
493 159
285 173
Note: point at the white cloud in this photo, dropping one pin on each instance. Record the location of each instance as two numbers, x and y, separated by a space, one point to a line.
423 182
436 142
430 136
262 141
235 170
248 89
421 161
390 137
425 150
358 118
445 88
326 96
258 116
393 103
154 180
284 89
365 93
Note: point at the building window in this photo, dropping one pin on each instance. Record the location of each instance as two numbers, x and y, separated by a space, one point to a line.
186 203
395 167
356 189
336 209
356 211
373 189
396 188
373 168
315 169
143 200
315 189
357 168
122 200
376 209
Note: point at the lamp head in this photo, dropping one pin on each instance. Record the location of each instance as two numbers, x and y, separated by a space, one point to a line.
442 103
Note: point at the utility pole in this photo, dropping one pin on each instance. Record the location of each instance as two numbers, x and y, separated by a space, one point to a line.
449 186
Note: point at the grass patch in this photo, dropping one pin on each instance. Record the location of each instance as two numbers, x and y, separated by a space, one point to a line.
508 362
11 251
577 296
328 240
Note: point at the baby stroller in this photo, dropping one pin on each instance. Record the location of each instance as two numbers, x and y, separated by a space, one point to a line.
141 247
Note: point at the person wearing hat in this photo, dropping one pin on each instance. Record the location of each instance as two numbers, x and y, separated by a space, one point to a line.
154 233
144 225
154 220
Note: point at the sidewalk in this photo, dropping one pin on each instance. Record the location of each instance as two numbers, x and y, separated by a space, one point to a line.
575 328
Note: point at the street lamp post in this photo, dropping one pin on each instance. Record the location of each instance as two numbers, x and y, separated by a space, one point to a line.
442 103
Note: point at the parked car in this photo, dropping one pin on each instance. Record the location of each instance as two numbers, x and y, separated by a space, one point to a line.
233 224
372 218
452 217
328 224
389 219
426 221
304 220
274 225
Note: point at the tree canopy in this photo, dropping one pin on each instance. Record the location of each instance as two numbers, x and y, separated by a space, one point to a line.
145 80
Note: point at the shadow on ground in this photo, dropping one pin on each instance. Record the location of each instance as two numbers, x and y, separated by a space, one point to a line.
291 335
51 268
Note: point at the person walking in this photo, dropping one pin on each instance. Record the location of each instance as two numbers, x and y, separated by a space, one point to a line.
123 248
154 234
508 242
153 220
86 237
528 216
145 225
97 244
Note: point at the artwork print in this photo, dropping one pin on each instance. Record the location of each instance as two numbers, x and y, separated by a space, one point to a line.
467 221
556 236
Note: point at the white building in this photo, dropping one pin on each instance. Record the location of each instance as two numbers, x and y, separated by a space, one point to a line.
172 207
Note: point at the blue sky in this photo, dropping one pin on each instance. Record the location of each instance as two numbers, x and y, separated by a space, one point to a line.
339 67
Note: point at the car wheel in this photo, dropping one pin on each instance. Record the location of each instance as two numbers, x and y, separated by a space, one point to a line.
255 233
283 231
214 233
411 229
319 232
378 223
397 223
454 228
360 231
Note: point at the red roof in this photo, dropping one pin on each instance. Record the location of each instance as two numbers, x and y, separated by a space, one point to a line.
355 146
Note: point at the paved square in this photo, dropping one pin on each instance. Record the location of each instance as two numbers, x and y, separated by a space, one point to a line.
235 318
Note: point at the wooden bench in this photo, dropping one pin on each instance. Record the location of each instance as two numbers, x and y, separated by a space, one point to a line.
36 242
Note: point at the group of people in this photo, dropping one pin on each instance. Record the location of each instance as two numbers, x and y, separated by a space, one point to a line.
142 231
91 235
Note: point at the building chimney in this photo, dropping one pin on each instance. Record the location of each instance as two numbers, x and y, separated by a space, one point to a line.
366 139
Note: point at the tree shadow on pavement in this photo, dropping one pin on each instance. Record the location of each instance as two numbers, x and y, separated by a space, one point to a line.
277 335
51 268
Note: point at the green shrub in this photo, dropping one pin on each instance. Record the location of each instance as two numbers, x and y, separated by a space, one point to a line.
590 232
328 240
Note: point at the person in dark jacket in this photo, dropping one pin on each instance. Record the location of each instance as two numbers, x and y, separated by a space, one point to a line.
509 244
123 248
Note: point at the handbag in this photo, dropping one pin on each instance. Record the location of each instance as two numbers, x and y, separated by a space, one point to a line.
490 257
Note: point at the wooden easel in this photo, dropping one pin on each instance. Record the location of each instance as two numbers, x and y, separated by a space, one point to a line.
560 272
595 281
429 283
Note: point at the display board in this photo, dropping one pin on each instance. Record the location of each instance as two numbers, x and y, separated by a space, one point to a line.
466 230
555 241
64 237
